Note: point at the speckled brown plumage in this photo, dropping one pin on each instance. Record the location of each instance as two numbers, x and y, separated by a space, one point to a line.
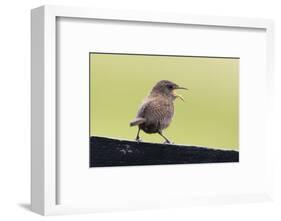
157 110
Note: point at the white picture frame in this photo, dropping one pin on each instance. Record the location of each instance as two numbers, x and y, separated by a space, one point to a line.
44 155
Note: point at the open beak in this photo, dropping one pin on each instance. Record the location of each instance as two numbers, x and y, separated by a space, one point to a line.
178 95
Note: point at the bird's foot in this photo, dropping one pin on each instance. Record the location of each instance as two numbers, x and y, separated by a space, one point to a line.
168 142
138 139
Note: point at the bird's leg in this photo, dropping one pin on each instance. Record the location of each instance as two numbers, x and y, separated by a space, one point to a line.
138 139
166 139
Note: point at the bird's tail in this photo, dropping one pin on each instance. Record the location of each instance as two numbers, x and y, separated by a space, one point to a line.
137 121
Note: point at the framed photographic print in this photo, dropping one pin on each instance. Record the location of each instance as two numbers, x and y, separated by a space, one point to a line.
208 112
138 110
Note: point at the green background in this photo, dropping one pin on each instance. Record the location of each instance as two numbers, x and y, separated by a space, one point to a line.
208 117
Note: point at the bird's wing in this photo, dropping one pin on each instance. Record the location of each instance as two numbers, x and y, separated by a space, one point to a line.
154 110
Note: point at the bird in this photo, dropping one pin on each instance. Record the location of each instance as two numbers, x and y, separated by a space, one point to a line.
157 109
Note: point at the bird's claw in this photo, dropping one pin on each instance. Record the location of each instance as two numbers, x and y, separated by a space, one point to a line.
138 139
168 142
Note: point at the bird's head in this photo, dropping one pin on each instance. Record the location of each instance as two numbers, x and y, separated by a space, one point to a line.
168 89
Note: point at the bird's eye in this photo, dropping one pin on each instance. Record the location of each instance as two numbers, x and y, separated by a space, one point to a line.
170 86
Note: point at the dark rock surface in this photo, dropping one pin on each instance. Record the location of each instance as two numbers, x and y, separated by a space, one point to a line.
114 152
